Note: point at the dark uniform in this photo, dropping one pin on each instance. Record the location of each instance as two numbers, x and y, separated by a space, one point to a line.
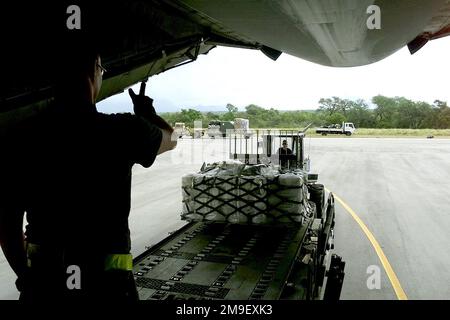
72 175
285 155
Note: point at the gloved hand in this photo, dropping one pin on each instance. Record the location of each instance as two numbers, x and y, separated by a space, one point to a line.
143 105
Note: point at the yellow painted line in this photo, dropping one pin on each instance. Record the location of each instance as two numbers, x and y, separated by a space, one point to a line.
401 295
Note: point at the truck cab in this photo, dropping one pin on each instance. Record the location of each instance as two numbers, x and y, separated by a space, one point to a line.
349 128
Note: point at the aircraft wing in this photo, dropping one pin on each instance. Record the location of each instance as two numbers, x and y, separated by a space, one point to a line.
143 38
339 33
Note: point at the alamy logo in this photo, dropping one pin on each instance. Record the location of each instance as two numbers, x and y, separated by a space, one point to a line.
374 279
74 278
374 20
74 19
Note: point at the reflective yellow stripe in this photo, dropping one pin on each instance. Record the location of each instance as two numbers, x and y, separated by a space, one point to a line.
32 249
119 262
112 261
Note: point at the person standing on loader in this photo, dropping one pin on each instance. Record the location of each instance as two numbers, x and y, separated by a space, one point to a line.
284 154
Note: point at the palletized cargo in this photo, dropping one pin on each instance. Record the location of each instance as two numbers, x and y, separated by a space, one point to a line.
235 192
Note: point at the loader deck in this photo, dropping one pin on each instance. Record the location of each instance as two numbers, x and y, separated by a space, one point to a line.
219 261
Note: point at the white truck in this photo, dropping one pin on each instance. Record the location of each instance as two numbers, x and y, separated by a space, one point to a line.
347 128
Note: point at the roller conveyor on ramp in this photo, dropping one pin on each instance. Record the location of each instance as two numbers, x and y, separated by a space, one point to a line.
221 261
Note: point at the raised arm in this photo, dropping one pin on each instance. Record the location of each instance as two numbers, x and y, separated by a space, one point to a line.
143 106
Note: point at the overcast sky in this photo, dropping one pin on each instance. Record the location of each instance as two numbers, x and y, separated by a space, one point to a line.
242 77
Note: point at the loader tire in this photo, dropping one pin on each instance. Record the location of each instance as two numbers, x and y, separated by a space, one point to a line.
317 195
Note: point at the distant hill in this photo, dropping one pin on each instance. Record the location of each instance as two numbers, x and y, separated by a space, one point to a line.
122 103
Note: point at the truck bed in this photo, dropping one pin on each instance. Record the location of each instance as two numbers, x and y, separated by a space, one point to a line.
220 261
330 130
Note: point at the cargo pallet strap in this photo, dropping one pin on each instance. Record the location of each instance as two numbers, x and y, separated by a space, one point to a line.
253 193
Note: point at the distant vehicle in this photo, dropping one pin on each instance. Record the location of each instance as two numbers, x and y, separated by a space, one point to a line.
181 129
346 128
218 128
198 133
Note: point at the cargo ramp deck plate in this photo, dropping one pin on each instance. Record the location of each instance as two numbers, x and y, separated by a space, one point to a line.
220 261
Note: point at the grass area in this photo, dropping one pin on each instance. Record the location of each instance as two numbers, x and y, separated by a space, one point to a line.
366 132
363 132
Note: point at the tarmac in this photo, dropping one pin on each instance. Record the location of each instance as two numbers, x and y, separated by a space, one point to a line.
399 188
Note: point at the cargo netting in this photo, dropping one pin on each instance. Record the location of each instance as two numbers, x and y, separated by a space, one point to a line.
245 194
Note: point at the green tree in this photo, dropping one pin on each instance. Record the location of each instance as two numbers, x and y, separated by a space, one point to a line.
188 116
231 114
336 118
171 117
335 104
385 112
389 112
328 106
360 114
337 110
399 112
254 110
255 116
441 115
412 114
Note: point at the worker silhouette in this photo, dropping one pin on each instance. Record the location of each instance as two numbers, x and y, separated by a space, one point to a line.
69 168
284 154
